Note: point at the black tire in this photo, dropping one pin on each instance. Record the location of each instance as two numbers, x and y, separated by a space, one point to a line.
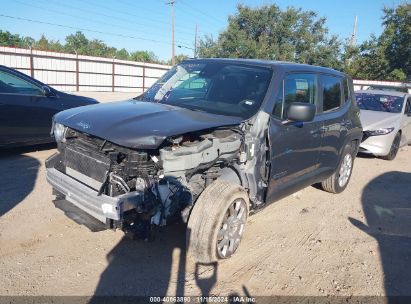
336 183
215 209
58 195
395 146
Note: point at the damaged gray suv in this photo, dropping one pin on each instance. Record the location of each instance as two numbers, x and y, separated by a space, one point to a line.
211 142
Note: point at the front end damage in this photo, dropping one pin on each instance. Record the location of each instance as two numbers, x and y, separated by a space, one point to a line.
136 190
142 163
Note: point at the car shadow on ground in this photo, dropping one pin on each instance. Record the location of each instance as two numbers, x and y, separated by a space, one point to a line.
386 202
18 173
155 268
366 155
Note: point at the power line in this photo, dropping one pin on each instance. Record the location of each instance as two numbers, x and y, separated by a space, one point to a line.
126 13
159 11
146 9
197 18
91 20
123 20
83 29
201 12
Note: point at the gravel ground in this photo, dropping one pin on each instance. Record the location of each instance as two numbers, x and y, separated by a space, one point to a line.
311 243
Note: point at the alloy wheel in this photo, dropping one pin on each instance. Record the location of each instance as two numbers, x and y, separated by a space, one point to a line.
345 170
232 228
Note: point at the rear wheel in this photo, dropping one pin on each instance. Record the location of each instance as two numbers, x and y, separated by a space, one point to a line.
217 221
394 148
337 182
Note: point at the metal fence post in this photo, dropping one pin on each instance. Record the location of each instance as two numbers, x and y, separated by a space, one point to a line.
112 74
31 63
144 77
77 73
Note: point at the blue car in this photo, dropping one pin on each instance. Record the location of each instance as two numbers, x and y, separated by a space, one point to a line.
27 107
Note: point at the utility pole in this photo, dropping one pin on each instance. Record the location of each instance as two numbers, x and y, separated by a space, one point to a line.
173 60
354 33
195 43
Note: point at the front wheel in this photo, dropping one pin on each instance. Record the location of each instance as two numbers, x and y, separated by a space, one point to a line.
395 146
337 182
217 221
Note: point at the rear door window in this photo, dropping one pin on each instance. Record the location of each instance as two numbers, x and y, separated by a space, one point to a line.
331 92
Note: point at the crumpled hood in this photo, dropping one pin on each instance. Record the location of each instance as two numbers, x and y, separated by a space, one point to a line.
139 124
373 120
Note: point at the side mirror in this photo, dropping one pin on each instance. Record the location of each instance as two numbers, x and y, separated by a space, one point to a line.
47 91
300 112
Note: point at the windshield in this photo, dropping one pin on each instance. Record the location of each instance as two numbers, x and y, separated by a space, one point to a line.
378 102
218 88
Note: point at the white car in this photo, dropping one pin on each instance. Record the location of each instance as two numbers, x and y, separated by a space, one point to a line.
386 121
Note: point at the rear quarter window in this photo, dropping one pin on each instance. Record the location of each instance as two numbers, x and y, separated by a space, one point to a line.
347 92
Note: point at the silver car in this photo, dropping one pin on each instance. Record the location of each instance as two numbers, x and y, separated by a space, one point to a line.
386 121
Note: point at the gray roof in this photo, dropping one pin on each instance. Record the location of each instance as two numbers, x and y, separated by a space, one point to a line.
284 65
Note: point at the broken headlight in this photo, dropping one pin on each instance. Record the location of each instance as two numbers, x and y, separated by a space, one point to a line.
59 132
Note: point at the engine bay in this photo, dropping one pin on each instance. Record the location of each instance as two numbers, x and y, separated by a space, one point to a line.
168 180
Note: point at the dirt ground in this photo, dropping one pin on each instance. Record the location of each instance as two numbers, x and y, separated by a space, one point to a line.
311 243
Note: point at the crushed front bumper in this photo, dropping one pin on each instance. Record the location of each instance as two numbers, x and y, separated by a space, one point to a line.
102 207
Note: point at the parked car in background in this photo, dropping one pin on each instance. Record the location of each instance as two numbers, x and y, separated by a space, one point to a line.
386 120
402 89
27 107
210 141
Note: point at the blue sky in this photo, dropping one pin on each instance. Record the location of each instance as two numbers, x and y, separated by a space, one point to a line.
145 24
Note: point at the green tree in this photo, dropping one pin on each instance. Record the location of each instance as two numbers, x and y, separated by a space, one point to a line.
122 54
267 32
42 44
178 58
387 57
396 40
143 56
77 42
98 48
28 42
55 46
9 39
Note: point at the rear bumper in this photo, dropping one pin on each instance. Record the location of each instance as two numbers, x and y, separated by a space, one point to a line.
101 207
